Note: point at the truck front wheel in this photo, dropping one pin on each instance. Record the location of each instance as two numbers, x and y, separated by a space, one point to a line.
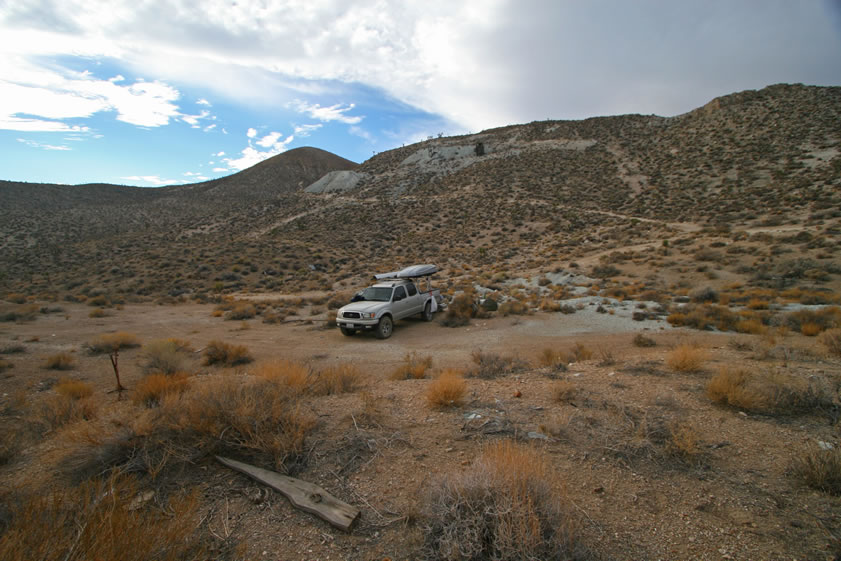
384 328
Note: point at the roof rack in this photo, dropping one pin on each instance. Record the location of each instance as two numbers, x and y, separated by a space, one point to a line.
412 272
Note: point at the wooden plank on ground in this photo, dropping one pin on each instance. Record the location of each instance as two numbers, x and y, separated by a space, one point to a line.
303 495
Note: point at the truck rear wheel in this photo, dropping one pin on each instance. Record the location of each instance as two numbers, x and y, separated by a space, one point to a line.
385 327
347 332
427 312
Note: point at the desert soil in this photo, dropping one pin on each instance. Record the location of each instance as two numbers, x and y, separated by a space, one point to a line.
383 447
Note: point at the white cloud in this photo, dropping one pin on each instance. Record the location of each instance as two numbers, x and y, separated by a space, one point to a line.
269 140
209 128
221 170
153 180
306 130
34 144
219 154
326 114
194 119
251 155
203 102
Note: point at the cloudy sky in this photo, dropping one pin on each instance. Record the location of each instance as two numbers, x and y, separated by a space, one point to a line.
158 92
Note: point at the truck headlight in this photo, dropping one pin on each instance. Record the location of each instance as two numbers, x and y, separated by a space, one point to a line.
369 315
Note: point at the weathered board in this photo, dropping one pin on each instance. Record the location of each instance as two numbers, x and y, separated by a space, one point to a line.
304 495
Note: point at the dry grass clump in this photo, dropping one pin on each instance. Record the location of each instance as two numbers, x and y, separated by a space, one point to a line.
686 358
413 367
772 393
813 322
550 358
58 410
241 310
73 389
165 356
490 365
515 307
820 469
579 353
342 378
508 505
219 352
152 389
683 443
564 391
99 520
831 339
295 376
642 341
447 390
110 342
459 311
60 361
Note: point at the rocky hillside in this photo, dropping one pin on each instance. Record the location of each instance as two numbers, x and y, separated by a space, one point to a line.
523 196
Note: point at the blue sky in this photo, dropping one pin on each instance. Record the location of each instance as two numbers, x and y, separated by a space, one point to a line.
175 91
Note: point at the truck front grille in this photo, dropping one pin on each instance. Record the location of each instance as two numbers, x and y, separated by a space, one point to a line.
351 315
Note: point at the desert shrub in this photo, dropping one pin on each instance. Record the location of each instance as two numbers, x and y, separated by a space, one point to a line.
820 469
579 353
5 364
58 410
295 376
490 365
73 389
564 391
815 320
686 358
242 310
507 506
513 307
342 378
605 271
152 389
97 313
110 342
99 520
12 349
26 312
60 361
810 329
705 295
165 356
459 311
331 319
551 358
682 443
447 390
641 340
413 367
219 352
831 339
16 298
772 393
338 300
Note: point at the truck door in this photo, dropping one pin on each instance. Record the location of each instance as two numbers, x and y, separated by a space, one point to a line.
415 299
399 303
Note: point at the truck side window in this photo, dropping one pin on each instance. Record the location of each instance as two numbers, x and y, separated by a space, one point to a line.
410 288
399 293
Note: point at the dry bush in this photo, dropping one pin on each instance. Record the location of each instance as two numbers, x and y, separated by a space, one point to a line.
814 321
686 358
771 393
490 365
514 307
342 378
820 469
459 311
810 329
564 391
447 390
509 505
579 353
58 410
831 339
413 367
683 443
241 310
60 361
12 349
641 340
553 359
27 312
151 389
97 313
5 364
247 417
295 376
165 356
219 352
74 389
99 520
110 342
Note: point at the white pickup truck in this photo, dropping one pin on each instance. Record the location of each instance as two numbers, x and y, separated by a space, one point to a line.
395 297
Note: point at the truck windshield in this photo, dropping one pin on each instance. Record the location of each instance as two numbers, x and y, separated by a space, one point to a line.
376 294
